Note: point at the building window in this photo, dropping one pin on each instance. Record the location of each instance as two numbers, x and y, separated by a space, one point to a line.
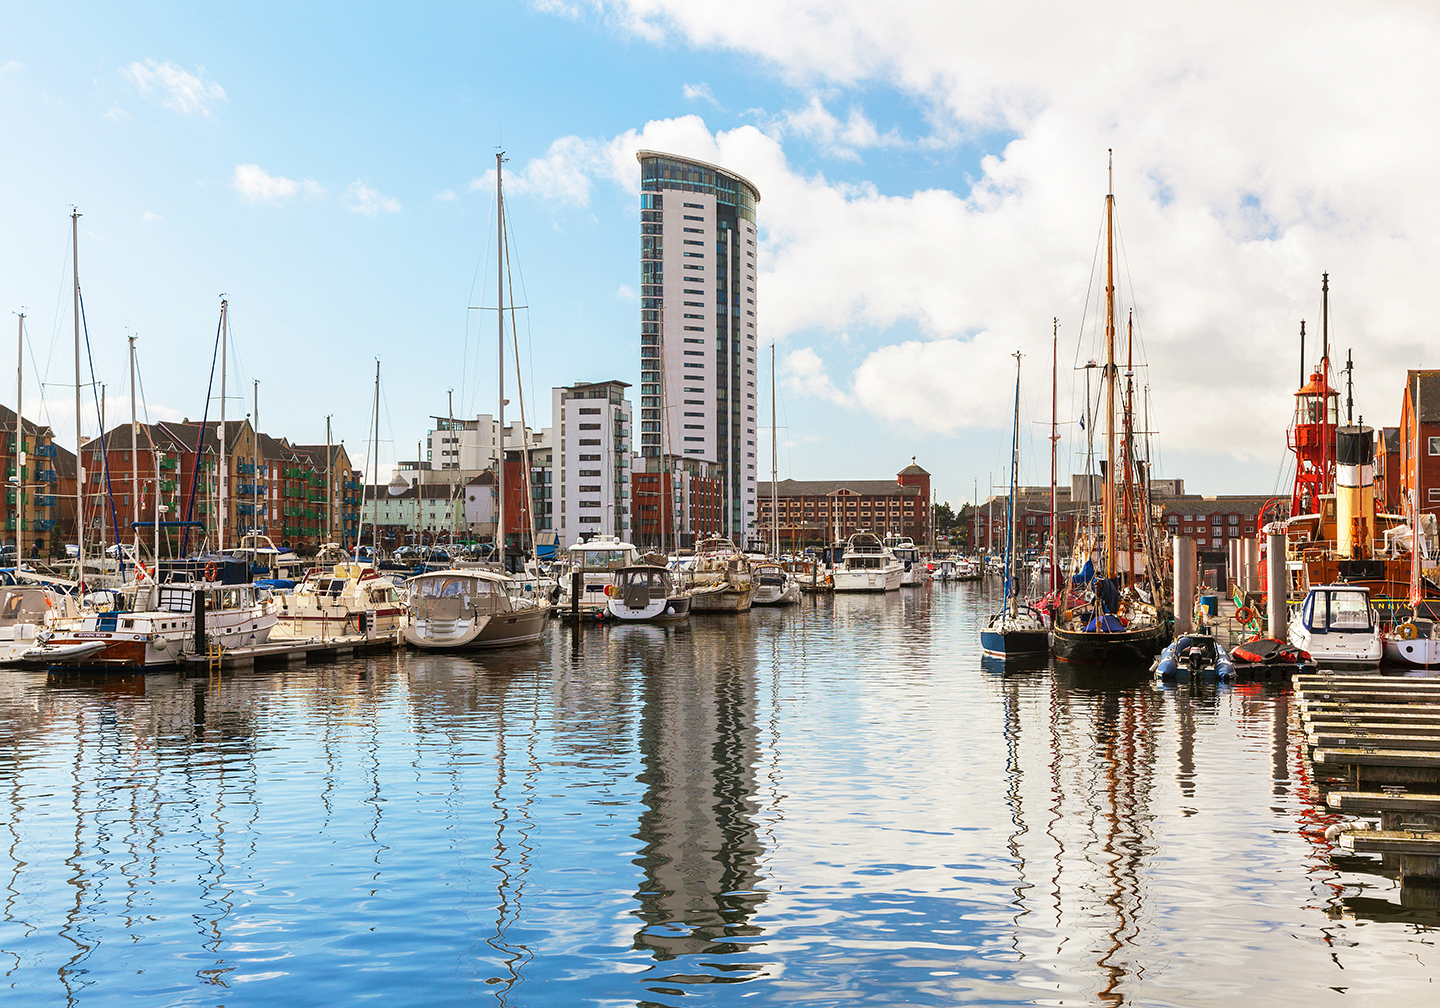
1435 494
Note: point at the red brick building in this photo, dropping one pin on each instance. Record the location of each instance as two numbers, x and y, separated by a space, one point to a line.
1419 437
1387 469
815 512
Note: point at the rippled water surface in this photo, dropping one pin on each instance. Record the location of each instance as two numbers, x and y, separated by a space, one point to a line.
838 804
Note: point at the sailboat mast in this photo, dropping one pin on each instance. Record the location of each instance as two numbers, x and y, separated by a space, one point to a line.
375 506
774 464
134 468
20 442
79 440
223 464
1010 596
1108 512
500 349
1128 449
1327 483
1415 591
1054 445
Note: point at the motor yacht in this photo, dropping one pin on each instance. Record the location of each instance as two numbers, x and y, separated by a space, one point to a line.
596 560
908 554
467 609
350 598
1336 625
867 566
774 585
647 593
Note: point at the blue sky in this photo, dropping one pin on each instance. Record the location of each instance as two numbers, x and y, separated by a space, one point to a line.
373 116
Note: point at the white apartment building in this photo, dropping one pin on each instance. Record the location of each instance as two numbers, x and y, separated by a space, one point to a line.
592 477
698 326
472 446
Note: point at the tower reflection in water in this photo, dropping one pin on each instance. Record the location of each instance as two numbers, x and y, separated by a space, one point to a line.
700 849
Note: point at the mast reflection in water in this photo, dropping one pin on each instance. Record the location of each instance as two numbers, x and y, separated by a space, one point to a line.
838 803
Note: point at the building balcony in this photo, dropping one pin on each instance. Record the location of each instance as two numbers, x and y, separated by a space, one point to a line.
46 476
44 451
168 463
44 525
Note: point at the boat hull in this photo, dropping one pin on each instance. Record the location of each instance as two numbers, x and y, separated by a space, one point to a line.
882 580
668 610
503 629
722 599
1417 653
1015 643
1129 647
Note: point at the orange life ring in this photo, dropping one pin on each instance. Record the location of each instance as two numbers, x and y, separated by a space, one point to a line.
211 571
1244 615
609 591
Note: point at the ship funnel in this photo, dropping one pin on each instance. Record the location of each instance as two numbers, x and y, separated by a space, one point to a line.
1354 491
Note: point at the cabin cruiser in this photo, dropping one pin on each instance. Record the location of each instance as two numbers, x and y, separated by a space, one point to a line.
471 609
1337 627
868 566
350 598
773 584
596 560
199 604
647 593
721 580
808 574
908 554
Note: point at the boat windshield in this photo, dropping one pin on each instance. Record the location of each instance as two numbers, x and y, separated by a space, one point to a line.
456 587
599 560
1348 611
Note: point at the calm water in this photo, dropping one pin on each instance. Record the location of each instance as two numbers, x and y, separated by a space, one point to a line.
835 805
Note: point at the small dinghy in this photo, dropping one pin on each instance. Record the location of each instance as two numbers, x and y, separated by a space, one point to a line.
1268 658
1194 656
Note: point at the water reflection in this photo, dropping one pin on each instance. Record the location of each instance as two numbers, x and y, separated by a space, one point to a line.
842 802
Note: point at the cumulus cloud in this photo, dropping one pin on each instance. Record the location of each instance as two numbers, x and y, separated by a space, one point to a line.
699 92
1246 163
11 66
256 185
447 196
148 216
179 89
805 375
361 199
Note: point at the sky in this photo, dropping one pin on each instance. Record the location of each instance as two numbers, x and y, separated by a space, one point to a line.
932 180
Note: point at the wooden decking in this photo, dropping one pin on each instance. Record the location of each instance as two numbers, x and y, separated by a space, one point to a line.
1375 739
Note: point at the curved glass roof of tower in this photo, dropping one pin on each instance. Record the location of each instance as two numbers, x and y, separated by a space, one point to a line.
698 323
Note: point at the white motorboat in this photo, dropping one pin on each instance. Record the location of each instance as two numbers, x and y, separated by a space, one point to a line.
352 598
647 594
908 554
596 561
868 566
182 615
1336 625
774 585
468 609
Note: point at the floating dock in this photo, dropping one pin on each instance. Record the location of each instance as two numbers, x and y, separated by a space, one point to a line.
1375 739
287 651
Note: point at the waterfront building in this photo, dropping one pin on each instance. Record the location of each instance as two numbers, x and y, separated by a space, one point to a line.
818 512
1387 470
593 429
47 518
1419 457
676 504
271 487
698 333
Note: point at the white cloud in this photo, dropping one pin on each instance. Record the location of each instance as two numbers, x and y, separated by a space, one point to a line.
117 114
148 216
562 175
180 90
840 139
447 196
256 185
1246 164
699 92
361 199
626 293
805 375
11 66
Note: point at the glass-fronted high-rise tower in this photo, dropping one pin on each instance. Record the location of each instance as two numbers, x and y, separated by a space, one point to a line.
698 328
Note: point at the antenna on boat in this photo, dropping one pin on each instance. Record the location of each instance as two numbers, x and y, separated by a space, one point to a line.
1110 171
1302 353
1349 386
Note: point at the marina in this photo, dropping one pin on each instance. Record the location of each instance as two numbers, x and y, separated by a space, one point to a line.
532 826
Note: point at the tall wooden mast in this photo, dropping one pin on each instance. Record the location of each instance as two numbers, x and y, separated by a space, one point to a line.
1108 513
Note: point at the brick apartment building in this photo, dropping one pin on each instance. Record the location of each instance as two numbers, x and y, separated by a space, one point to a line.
815 512
1419 437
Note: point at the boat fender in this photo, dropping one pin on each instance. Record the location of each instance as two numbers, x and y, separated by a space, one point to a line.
669 610
1408 631
1353 826
1244 615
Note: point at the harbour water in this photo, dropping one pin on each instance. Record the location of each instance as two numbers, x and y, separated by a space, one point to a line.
838 804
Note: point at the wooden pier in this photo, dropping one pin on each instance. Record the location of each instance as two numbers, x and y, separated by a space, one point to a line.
287 651
1375 740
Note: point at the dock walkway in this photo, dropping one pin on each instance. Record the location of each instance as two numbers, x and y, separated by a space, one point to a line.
1375 739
